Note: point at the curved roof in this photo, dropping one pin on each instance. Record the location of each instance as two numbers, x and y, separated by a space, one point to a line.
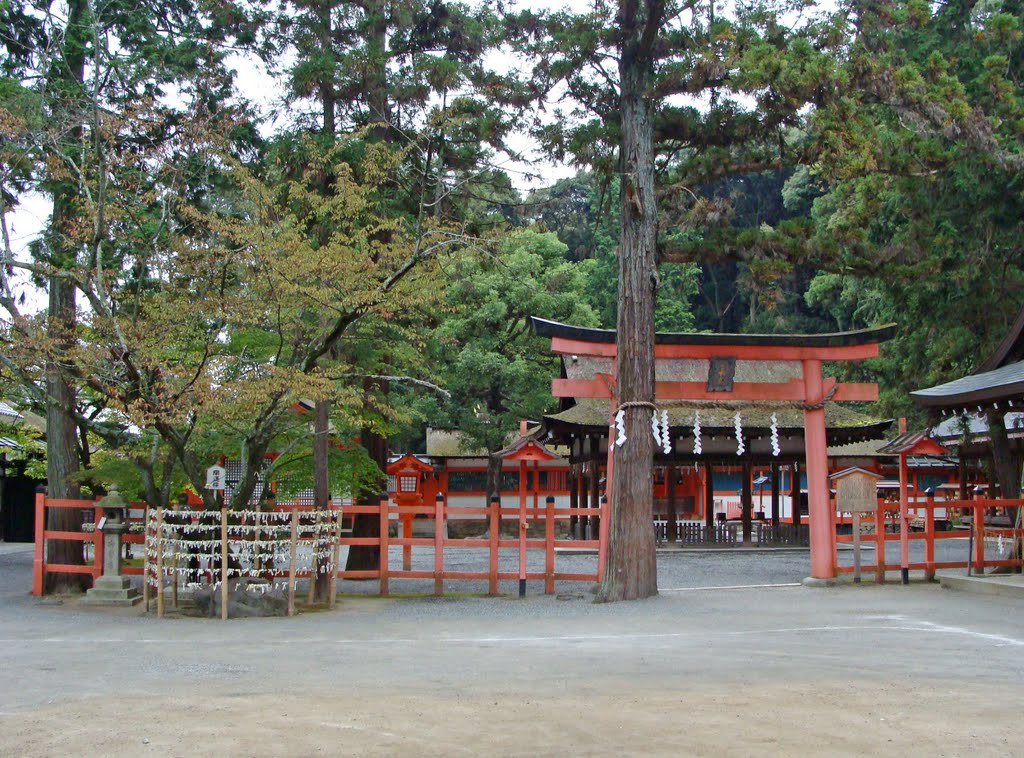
545 328
1005 382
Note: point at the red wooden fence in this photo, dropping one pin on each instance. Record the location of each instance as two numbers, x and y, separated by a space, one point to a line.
971 511
495 515
95 568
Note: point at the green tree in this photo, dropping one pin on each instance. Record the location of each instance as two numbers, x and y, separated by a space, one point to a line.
498 372
72 73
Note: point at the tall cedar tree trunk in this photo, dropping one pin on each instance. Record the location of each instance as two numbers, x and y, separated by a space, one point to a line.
367 557
321 424
62 461
631 568
1007 466
493 476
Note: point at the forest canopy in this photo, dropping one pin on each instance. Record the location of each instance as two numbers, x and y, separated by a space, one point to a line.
371 246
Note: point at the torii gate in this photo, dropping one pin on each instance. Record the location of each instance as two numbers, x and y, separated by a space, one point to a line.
721 353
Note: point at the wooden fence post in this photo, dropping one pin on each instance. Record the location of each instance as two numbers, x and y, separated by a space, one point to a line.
979 539
495 519
176 557
549 544
159 563
383 561
523 526
291 562
314 544
602 532
929 536
855 518
39 555
335 553
223 564
406 521
439 517
880 544
146 533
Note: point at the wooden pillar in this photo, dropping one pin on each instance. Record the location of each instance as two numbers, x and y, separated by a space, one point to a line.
794 493
439 532
670 486
574 499
522 528
709 495
822 532
584 495
494 516
595 485
904 513
929 537
962 473
746 502
775 493
38 559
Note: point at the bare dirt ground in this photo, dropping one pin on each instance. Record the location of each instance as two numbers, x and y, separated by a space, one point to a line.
758 671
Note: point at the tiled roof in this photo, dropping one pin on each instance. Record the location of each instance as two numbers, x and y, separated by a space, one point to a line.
1003 383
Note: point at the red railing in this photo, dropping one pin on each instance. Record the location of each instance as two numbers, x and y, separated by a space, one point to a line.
39 565
972 525
40 568
495 515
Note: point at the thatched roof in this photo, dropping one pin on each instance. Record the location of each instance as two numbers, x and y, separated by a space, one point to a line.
717 414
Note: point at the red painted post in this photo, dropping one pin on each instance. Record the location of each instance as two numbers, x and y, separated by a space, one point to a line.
37 560
822 532
880 543
383 562
609 469
407 534
439 544
522 528
549 544
904 512
929 536
495 517
602 545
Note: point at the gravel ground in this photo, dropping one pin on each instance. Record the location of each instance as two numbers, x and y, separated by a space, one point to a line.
784 670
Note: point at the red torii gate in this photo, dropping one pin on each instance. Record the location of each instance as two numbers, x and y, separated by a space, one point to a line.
811 389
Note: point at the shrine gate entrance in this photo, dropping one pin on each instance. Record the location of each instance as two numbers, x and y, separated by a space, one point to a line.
721 376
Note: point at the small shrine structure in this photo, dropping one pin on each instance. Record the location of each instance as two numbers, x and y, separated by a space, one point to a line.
762 395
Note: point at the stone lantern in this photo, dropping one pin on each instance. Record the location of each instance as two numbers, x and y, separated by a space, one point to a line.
112 588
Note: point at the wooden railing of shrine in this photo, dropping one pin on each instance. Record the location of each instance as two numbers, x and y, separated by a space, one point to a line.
971 523
39 566
496 515
545 515
88 536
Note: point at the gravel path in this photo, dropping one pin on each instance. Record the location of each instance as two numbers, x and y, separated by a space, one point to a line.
779 670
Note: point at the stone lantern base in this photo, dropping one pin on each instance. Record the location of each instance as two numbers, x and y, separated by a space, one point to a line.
113 590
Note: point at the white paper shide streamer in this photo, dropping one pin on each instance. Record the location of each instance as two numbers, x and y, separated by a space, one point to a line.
775 436
656 428
620 427
697 446
666 438
738 424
